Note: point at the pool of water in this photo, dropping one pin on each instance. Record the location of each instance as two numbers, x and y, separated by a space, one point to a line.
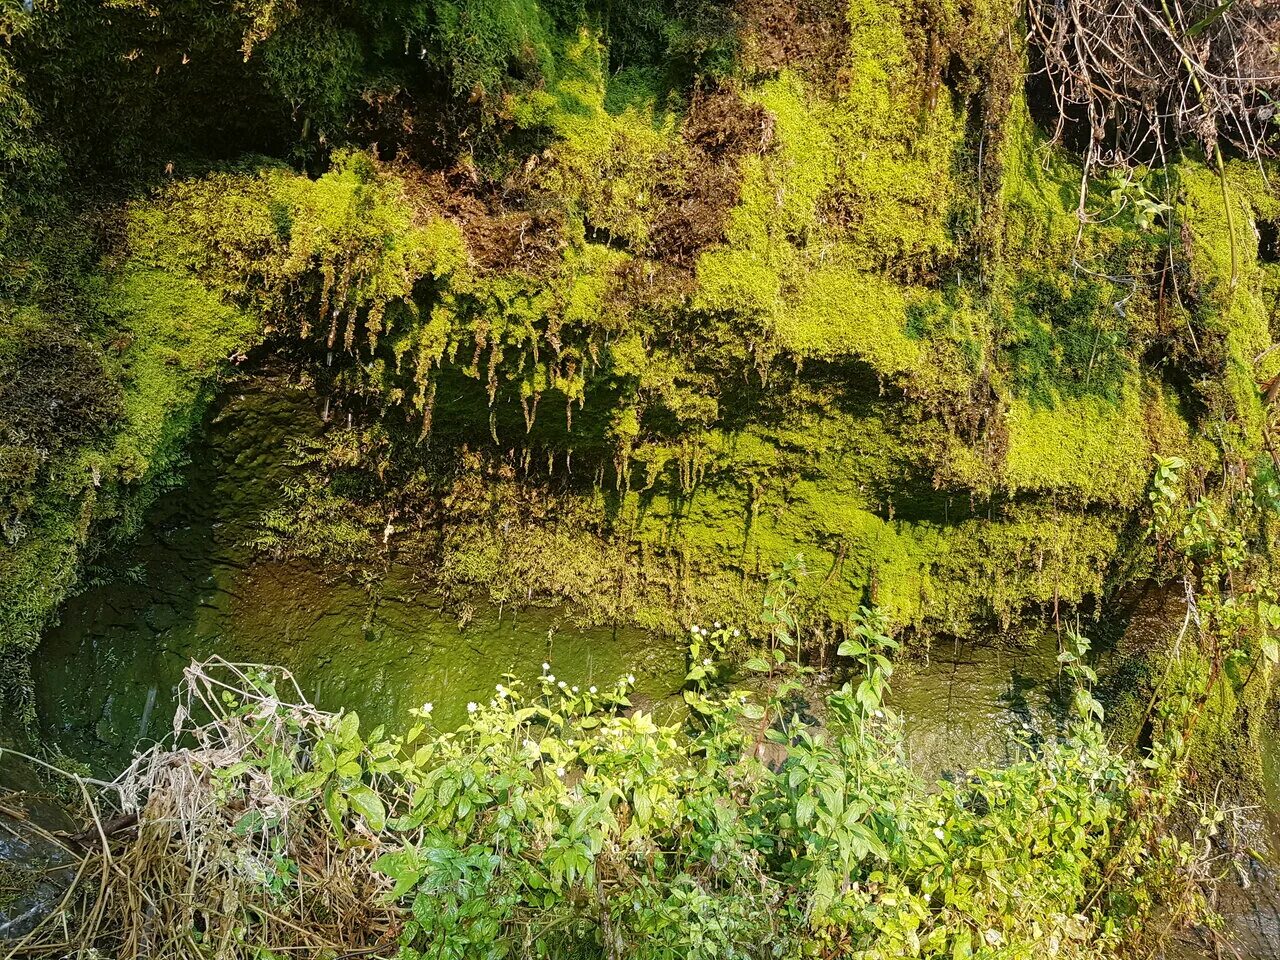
967 705
189 588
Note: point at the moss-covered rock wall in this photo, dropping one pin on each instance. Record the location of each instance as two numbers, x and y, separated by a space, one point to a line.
628 303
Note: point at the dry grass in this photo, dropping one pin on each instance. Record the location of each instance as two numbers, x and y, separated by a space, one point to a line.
1145 77
178 861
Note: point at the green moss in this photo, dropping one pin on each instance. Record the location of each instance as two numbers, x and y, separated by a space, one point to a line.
610 134
317 64
1039 194
163 338
967 450
481 40
1090 448
821 323
895 345
853 184
1228 290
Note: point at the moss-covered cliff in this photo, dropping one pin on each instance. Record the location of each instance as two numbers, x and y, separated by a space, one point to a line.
621 304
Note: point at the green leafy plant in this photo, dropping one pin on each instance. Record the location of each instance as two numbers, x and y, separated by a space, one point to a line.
562 822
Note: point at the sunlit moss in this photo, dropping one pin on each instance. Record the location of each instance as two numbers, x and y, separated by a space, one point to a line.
1228 289
610 132
170 336
907 344
1090 447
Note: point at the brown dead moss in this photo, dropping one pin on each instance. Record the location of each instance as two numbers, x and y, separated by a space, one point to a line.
504 224
811 36
704 181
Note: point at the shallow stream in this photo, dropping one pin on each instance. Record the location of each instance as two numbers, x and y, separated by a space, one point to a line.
189 587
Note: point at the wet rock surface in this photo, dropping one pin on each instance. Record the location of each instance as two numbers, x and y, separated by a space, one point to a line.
35 866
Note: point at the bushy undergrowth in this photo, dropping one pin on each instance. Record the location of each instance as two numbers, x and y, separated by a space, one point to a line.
568 822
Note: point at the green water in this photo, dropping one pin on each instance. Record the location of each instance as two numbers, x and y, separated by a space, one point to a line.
968 705
189 587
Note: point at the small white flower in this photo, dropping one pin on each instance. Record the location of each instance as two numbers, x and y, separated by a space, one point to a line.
428 707
575 688
716 624
472 707
559 771
591 689
693 628
737 633
879 714
703 631
940 833
928 898
551 678
706 661
545 666
631 678
502 691
561 684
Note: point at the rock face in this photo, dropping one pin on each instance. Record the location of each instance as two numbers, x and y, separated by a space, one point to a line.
625 306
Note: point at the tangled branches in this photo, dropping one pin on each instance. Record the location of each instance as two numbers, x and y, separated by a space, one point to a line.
1146 76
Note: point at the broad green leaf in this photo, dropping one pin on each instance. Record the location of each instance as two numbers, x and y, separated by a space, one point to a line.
824 891
369 805
335 805
805 807
448 787
1271 649
348 729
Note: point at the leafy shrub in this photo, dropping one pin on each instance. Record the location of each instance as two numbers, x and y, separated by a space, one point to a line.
564 822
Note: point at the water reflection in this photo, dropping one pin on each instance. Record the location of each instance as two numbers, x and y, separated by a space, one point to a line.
189 588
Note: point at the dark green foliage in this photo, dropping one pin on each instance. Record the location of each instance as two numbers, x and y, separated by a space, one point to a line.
1071 337
54 393
124 88
316 64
